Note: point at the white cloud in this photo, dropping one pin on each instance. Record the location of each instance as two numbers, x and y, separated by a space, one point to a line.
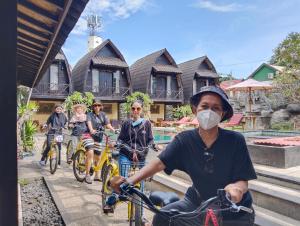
217 7
80 27
109 10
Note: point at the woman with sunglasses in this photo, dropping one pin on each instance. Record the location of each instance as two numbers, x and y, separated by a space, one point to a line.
136 134
213 157
96 121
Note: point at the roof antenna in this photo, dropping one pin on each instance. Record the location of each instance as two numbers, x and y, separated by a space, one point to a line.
93 24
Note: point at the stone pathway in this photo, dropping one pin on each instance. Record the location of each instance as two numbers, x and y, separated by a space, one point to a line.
78 203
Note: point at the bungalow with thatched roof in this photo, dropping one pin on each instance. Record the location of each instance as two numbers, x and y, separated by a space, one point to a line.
52 88
158 75
197 73
104 72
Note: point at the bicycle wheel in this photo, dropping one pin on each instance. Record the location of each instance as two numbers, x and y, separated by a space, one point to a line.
79 165
53 158
135 217
102 170
106 190
43 149
69 150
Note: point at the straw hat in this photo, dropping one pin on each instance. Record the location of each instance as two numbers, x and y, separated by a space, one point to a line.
79 105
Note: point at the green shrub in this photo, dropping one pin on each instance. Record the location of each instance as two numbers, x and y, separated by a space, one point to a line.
182 111
139 96
79 98
282 126
29 129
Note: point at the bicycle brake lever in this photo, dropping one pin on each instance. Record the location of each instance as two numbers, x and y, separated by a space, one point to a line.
246 209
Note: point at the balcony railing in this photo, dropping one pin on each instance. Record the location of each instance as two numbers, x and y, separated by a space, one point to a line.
51 90
167 94
109 92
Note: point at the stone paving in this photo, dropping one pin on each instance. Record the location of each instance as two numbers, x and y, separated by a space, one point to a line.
78 203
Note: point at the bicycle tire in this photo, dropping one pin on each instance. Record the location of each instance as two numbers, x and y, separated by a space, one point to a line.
137 210
79 165
103 169
69 149
106 191
53 159
43 149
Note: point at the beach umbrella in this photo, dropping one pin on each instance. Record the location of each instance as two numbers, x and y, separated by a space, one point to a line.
250 85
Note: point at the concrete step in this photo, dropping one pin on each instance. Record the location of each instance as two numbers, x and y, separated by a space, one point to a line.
278 177
276 198
264 217
274 205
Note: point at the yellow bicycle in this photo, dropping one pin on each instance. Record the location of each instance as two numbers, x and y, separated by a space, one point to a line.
54 152
79 158
134 207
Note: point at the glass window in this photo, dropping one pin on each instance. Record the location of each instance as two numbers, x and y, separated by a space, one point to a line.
54 77
155 109
153 84
95 80
107 108
194 86
116 81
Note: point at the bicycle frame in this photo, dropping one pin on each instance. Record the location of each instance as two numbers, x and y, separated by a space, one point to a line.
127 190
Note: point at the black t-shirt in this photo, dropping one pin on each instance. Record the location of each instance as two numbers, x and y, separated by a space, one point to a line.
231 161
98 121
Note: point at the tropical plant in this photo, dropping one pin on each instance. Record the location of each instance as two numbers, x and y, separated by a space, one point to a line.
78 98
139 96
29 129
287 54
27 108
182 111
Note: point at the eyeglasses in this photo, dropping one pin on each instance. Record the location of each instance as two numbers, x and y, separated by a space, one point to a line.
208 162
98 105
138 108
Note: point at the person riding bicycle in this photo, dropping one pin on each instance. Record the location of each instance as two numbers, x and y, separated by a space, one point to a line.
213 158
78 125
136 137
55 123
96 122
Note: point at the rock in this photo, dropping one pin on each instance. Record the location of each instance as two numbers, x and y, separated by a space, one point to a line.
266 113
38 206
293 108
280 116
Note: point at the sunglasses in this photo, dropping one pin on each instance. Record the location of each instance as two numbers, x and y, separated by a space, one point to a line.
98 105
208 162
138 109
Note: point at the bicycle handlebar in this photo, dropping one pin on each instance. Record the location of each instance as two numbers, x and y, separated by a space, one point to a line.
222 197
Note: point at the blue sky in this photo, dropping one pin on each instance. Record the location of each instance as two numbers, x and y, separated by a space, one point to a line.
236 35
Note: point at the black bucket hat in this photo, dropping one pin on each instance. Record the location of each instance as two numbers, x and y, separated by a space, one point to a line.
96 101
194 100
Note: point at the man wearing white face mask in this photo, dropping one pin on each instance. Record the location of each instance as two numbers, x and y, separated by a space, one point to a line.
214 158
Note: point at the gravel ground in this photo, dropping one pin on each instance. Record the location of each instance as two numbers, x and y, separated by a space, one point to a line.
37 205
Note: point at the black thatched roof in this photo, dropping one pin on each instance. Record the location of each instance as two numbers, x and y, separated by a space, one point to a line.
109 61
200 67
140 70
43 27
80 70
60 56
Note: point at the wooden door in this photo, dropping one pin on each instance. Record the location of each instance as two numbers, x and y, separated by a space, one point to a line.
106 81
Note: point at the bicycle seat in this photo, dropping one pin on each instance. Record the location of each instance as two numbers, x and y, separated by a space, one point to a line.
115 154
159 198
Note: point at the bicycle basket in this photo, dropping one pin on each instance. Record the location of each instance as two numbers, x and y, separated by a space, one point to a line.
59 138
130 168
